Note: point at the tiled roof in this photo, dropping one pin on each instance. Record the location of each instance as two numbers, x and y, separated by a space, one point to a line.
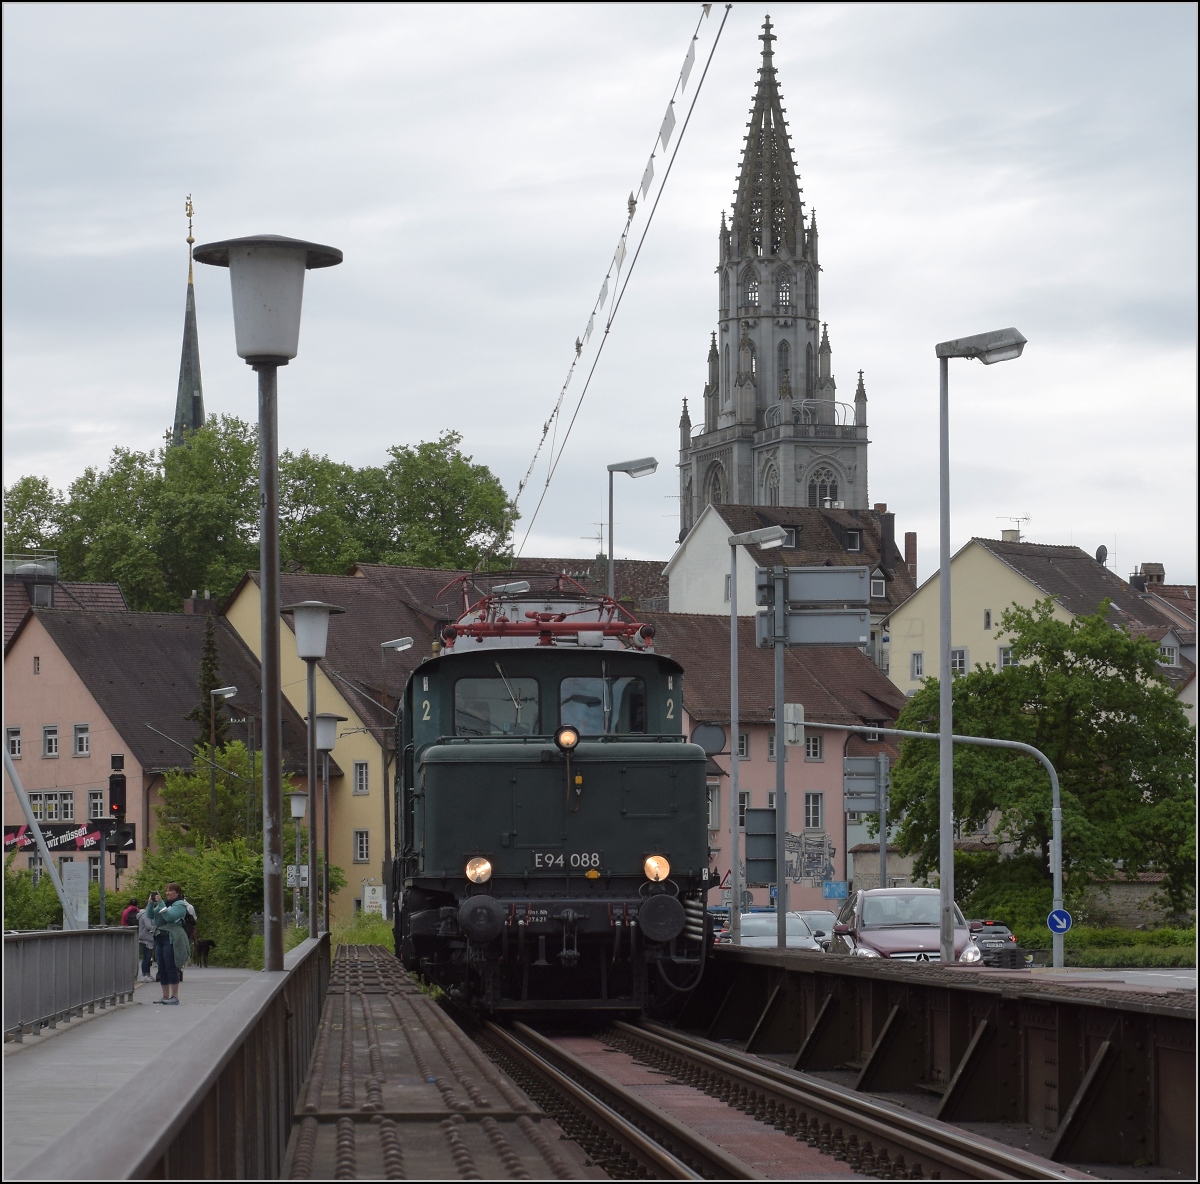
142 668
638 580
821 541
96 597
835 685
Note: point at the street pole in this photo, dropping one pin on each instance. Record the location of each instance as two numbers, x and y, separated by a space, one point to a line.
781 892
296 882
386 794
212 767
611 578
312 797
272 739
882 781
735 871
325 840
945 687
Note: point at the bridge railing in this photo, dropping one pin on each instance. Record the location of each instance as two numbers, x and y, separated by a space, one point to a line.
218 1102
52 976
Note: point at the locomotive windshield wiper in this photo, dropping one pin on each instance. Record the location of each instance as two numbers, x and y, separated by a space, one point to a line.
516 702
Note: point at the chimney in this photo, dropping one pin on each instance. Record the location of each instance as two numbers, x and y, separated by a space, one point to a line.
887 542
1010 536
910 552
1155 574
199 605
1137 582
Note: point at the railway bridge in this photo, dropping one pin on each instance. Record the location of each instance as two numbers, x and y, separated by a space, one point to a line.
781 1064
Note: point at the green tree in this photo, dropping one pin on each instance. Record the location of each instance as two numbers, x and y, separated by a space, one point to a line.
183 812
32 509
1089 696
209 711
447 511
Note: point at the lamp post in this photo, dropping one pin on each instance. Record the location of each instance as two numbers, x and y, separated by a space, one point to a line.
213 696
266 274
310 619
401 643
298 802
1001 345
635 468
767 538
326 738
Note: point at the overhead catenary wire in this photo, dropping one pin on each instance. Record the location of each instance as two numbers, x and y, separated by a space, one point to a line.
663 136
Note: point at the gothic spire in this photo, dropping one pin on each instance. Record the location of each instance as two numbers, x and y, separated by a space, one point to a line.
189 397
767 210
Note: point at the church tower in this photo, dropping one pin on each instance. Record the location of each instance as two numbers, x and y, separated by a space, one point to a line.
189 397
774 432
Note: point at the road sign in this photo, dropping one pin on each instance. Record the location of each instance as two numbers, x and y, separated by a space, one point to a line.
829 585
1059 921
760 846
793 724
835 889
725 880
860 784
291 875
774 892
818 626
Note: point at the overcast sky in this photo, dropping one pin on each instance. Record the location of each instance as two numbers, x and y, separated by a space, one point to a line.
972 166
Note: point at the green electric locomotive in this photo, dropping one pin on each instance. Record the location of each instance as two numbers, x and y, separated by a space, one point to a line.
552 828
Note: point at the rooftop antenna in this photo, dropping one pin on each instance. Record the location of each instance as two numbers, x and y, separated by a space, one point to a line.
598 537
1016 521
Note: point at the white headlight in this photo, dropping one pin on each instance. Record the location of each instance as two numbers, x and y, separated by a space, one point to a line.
971 954
867 952
656 867
479 870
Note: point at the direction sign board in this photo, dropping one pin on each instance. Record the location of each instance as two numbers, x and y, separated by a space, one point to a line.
860 784
290 876
834 889
818 626
760 846
829 585
1059 921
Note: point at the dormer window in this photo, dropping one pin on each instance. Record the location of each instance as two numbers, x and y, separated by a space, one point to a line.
854 540
1169 655
789 542
878 586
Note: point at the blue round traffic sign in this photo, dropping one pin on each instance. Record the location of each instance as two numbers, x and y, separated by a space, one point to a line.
1059 921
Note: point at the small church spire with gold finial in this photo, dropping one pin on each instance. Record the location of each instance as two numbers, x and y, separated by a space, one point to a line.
189 397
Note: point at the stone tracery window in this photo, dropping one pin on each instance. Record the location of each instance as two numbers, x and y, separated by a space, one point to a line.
752 292
716 486
771 486
783 289
810 303
783 364
822 484
810 377
725 292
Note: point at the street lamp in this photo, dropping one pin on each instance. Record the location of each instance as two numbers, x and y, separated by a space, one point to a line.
299 801
327 724
266 274
767 538
1001 345
213 696
401 643
310 620
641 467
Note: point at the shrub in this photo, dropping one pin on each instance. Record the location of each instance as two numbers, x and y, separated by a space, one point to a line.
367 929
1131 956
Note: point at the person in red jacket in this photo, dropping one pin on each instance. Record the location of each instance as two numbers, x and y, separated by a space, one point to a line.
129 915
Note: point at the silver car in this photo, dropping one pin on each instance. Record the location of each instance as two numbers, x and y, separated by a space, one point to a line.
761 929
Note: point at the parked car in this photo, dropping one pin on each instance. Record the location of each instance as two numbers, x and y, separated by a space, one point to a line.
821 922
899 923
992 938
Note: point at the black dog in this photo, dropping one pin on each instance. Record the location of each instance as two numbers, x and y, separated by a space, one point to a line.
203 947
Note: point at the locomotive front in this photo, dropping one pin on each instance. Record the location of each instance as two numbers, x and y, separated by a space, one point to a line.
552 827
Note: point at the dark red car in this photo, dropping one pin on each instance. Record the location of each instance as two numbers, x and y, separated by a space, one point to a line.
899 923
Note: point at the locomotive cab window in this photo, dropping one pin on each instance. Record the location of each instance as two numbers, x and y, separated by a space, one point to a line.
496 707
603 706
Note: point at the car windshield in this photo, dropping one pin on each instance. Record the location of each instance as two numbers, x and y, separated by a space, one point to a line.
817 921
993 927
765 925
909 908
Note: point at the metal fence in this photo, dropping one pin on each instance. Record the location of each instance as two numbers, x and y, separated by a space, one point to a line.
52 976
218 1102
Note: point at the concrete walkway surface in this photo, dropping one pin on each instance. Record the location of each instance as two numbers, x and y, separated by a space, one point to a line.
52 1081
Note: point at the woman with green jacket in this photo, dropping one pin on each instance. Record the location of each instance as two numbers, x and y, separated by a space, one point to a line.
171 946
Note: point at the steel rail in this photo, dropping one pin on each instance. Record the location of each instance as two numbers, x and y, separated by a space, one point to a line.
937 1145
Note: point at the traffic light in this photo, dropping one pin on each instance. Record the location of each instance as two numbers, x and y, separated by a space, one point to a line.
764 587
116 795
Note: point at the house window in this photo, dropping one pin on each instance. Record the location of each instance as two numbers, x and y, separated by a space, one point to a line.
46 806
789 542
362 779
743 806
771 747
744 745
813 805
871 736
770 799
854 540
958 661
852 816
728 581
878 588
83 740
66 806
94 869
916 665
1005 657
96 803
987 618
714 806
1169 655
14 743
362 846
50 740
814 747
37 665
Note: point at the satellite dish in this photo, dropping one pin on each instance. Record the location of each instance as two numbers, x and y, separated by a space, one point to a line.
710 737
1101 554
